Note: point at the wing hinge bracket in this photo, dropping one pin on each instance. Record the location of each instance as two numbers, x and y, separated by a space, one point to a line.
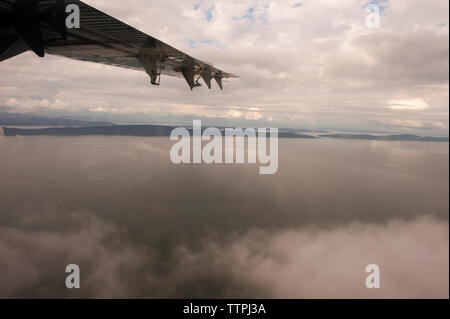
152 67
189 76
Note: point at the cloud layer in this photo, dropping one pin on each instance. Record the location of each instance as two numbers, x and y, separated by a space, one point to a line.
140 226
299 263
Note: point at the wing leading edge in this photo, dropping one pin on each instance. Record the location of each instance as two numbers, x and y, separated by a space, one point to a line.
40 26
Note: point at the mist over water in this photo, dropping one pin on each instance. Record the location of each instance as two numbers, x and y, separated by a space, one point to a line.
140 226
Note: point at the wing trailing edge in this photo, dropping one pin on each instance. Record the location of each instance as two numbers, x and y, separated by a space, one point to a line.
40 26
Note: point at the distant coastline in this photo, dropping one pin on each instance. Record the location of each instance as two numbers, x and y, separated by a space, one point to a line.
114 130
33 125
396 137
163 130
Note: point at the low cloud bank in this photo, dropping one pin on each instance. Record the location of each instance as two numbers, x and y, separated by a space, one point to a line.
301 263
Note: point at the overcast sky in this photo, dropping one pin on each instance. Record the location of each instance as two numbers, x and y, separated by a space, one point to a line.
310 64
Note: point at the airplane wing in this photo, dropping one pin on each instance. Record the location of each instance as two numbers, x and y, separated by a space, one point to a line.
41 26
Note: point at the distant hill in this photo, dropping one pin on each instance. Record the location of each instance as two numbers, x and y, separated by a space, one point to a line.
400 137
34 120
126 130
118 130
73 127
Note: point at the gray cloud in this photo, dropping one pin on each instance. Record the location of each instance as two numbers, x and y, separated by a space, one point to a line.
318 263
33 259
140 226
417 57
299 263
